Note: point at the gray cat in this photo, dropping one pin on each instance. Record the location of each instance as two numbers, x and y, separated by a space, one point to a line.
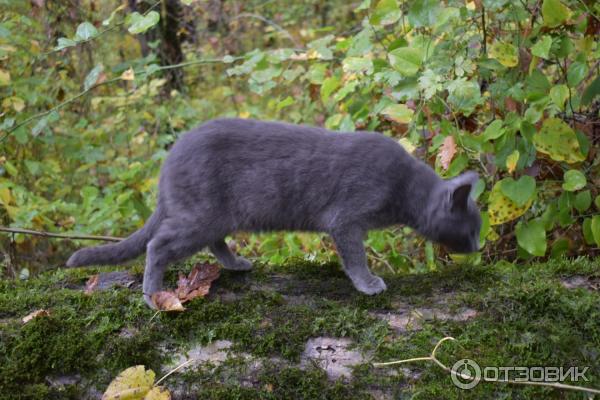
233 175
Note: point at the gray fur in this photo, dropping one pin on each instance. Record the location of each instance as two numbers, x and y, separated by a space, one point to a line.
233 175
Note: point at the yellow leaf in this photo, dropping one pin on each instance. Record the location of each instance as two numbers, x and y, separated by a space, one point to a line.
244 114
407 144
133 384
15 102
128 75
167 301
158 393
559 141
4 77
12 213
501 209
505 53
512 160
5 196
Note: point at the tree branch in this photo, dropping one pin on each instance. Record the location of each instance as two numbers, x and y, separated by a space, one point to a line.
60 235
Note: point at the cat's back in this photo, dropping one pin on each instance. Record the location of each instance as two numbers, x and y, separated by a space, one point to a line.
233 139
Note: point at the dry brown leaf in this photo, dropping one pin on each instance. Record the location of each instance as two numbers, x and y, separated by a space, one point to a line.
447 151
167 301
91 284
35 314
197 283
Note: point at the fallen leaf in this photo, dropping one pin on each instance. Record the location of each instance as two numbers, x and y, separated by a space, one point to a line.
158 393
91 284
197 283
128 75
447 151
167 301
132 383
35 314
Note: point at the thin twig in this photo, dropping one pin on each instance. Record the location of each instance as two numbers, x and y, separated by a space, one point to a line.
191 360
60 235
434 359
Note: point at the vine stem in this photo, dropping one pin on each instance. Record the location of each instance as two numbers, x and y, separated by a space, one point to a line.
59 235
434 359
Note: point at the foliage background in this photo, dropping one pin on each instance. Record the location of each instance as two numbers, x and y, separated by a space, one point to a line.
95 92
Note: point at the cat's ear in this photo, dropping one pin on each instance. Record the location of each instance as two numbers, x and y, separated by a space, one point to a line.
460 189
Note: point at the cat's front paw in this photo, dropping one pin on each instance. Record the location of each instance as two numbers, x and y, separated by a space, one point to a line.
148 300
371 286
241 264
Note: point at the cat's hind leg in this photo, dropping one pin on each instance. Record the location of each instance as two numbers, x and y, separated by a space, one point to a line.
227 258
173 241
349 244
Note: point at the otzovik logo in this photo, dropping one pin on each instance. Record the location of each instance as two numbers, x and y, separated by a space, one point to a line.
466 374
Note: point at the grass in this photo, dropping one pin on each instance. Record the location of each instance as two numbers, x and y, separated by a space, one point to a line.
526 317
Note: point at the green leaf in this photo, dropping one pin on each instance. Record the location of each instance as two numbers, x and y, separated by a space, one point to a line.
595 225
321 47
464 95
574 180
559 141
358 65
288 101
520 191
597 202
583 200
423 12
361 44
92 77
347 125
576 72
559 95
39 127
505 53
541 48
591 92
329 86
365 5
399 113
555 13
63 43
85 31
139 23
386 12
531 236
493 130
588 235
406 60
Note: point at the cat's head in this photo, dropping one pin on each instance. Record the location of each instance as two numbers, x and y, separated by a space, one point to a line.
454 219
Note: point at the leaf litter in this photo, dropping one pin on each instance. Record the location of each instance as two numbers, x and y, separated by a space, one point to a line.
196 284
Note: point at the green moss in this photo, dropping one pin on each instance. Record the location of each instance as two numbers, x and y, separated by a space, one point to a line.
525 317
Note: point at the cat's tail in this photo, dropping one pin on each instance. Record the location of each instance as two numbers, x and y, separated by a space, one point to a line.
124 250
